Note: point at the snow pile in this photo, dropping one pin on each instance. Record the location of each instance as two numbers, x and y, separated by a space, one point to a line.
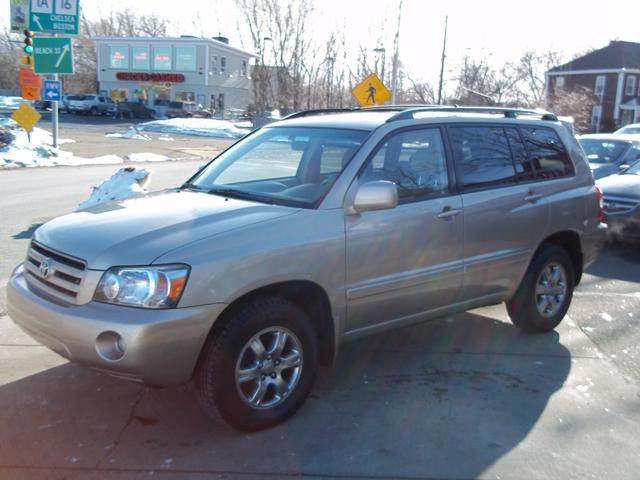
133 133
147 157
125 183
11 103
203 127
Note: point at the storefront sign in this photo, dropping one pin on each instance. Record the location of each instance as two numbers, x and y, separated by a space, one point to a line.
150 77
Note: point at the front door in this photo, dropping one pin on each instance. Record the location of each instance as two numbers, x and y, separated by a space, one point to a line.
406 261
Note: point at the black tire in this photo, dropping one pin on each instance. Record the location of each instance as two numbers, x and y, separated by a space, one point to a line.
218 392
523 307
93 111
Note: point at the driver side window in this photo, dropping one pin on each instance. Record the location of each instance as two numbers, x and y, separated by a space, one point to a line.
414 160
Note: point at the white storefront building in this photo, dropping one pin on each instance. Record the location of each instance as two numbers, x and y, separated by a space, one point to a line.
157 71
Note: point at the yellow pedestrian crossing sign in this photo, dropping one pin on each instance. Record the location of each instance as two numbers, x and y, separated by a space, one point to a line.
26 117
371 91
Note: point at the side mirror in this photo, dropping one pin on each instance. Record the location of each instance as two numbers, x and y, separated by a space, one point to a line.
378 195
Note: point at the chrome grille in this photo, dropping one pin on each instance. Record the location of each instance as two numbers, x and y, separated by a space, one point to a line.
55 273
613 205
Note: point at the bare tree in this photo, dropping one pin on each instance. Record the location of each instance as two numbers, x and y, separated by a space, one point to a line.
576 103
531 69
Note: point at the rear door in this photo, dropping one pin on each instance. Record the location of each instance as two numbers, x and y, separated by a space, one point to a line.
506 212
406 261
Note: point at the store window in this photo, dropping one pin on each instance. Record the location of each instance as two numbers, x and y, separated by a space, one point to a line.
162 58
119 94
140 58
162 93
118 56
185 97
223 65
186 59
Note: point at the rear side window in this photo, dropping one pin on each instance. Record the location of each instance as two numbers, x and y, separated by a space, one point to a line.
483 156
546 152
524 166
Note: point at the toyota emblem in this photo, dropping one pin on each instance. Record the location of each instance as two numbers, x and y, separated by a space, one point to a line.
45 267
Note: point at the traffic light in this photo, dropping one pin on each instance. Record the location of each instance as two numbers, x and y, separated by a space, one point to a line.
28 44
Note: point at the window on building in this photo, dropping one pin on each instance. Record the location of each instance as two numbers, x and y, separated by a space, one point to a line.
119 56
119 94
140 58
214 64
559 82
600 83
630 85
162 93
482 155
162 58
185 97
223 65
186 59
415 161
243 68
547 153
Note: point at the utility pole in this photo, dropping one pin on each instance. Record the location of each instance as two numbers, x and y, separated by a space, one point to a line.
394 79
444 48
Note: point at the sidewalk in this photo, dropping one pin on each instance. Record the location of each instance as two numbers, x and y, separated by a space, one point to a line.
466 397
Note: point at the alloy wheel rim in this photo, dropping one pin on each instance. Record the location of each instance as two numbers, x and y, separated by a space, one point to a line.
551 289
269 368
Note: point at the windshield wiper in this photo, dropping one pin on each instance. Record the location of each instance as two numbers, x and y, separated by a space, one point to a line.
193 186
233 193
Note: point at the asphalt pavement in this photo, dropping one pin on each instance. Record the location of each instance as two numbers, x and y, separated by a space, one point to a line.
467 396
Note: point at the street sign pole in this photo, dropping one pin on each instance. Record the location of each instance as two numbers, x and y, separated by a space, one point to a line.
54 115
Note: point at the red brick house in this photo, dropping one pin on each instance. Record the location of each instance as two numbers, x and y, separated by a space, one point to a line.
612 73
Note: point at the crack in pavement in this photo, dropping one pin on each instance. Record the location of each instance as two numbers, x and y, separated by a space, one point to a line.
116 442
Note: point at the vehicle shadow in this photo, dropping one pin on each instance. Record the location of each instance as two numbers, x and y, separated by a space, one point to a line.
445 399
613 262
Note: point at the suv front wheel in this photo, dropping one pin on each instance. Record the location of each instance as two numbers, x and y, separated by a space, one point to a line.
544 296
258 368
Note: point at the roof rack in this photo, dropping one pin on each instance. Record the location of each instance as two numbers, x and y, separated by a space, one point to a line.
327 111
408 113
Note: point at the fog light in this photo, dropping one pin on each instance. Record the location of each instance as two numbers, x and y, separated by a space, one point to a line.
110 346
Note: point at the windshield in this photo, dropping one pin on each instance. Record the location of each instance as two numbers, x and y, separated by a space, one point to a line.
603 151
633 169
288 165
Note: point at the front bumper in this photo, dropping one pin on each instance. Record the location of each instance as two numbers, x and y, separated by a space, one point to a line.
162 346
625 228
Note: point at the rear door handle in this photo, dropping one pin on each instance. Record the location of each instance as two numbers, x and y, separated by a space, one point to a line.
532 197
448 212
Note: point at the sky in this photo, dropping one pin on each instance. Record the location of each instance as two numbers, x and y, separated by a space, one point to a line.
498 29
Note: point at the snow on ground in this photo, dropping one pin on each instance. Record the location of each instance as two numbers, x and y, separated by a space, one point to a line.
16 151
127 182
204 127
133 133
11 103
147 157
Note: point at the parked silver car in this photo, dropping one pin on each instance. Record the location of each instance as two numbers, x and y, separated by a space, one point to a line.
622 204
309 232
609 153
91 104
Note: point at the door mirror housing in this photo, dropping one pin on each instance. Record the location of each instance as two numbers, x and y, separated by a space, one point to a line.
378 195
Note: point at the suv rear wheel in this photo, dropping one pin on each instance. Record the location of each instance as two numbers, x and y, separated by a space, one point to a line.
544 296
258 368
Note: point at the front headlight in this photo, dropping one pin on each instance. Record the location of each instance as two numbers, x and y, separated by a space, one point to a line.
148 287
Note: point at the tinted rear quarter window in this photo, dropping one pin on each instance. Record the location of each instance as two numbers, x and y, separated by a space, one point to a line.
546 152
482 156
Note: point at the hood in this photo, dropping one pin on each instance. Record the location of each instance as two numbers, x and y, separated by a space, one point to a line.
137 231
621 185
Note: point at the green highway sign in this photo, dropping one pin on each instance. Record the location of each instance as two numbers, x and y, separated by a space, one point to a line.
52 55
54 16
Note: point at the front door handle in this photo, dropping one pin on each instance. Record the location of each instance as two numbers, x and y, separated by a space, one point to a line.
448 212
532 197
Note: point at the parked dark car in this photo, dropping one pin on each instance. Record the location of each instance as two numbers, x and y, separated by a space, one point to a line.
609 153
134 110
187 110
621 197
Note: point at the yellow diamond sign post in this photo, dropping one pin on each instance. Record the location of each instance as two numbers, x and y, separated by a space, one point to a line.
26 117
371 91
